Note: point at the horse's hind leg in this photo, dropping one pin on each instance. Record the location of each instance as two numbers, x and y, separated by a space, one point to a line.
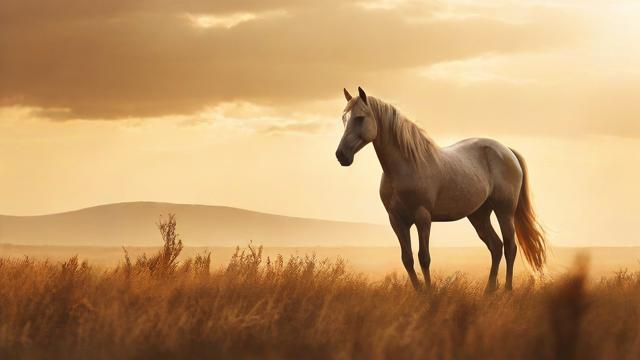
510 248
481 221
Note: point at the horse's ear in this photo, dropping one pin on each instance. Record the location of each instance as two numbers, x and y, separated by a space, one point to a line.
346 94
363 96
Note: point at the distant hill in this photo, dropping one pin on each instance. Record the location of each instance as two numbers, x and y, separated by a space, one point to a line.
134 224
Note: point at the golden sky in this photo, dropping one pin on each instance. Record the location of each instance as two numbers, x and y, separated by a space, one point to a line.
238 102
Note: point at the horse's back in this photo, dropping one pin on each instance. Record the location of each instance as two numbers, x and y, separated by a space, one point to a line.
497 156
493 162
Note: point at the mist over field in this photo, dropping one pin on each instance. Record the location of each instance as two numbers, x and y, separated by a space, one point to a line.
372 262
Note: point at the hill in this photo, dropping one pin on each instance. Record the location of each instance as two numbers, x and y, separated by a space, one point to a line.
132 224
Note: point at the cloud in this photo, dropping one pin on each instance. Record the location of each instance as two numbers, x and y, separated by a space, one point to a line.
123 59
296 127
205 21
485 68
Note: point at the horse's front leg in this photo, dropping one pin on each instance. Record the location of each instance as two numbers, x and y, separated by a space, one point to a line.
423 223
401 228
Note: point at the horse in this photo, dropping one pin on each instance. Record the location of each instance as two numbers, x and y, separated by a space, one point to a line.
423 183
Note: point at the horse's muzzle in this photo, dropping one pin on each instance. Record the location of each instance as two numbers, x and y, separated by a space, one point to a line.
343 158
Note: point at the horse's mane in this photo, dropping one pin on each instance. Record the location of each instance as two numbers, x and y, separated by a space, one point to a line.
413 142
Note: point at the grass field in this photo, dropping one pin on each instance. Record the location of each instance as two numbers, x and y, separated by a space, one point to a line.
163 306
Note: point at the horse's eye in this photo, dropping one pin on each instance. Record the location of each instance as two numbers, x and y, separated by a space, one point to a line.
359 119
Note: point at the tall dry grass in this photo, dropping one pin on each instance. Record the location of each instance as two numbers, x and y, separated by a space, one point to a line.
301 307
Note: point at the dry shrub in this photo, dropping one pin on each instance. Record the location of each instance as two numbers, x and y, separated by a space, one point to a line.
161 306
165 262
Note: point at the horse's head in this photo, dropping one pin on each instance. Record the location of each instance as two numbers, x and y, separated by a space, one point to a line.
360 127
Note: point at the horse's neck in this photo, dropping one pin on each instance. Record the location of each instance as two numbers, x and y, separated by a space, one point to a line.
392 159
390 156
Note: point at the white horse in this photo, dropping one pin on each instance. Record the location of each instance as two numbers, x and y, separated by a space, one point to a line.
422 183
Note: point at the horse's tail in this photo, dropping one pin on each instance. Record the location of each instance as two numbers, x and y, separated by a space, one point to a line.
531 236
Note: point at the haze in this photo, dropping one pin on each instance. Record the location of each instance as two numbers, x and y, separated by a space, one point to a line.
238 103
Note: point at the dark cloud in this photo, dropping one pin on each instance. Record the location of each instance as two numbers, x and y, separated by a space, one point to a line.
115 59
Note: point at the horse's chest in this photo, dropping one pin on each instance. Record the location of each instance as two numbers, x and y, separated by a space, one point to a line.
414 194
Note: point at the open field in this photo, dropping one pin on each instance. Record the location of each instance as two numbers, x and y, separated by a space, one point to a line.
164 305
303 307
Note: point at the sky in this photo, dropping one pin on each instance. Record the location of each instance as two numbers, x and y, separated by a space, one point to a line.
238 103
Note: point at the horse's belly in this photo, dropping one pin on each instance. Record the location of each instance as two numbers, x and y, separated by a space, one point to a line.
455 204
445 203
451 207
453 213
